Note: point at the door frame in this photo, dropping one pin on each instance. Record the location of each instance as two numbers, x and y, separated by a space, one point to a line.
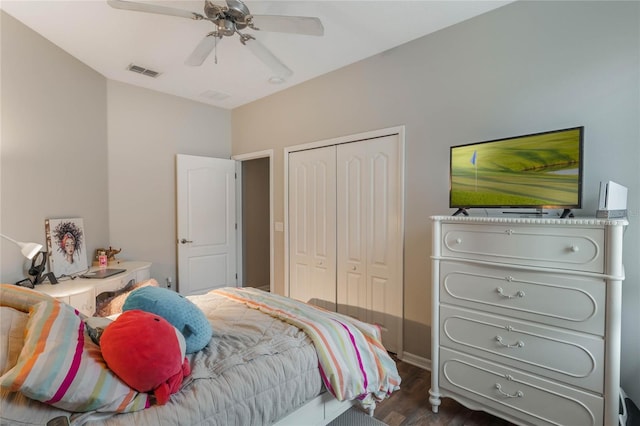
240 158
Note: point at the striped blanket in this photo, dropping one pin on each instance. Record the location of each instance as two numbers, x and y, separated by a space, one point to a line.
353 362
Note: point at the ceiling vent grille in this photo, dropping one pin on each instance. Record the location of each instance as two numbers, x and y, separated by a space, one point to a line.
214 95
143 71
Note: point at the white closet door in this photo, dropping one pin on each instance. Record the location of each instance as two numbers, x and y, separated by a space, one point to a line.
312 226
369 262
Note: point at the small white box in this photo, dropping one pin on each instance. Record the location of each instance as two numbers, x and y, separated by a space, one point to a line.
613 196
611 214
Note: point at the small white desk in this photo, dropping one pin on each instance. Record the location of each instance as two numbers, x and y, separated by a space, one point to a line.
81 292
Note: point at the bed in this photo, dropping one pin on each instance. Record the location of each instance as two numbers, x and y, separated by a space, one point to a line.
263 365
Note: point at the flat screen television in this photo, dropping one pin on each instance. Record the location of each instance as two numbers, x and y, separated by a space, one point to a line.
539 170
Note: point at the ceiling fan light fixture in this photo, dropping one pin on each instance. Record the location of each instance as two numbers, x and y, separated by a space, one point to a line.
228 21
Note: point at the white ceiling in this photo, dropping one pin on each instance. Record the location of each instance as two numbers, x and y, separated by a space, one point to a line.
109 40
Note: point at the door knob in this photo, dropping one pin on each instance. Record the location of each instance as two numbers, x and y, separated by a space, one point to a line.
185 241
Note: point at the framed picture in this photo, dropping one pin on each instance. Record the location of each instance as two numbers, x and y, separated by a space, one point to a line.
66 245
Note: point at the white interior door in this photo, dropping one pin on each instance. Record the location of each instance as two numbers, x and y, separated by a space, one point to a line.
312 226
206 211
369 245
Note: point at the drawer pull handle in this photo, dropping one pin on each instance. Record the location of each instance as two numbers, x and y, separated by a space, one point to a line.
518 344
575 248
500 291
458 240
518 394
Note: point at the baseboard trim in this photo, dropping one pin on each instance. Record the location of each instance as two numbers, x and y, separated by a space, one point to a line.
416 360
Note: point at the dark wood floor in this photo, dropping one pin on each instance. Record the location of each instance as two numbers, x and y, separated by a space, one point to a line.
410 405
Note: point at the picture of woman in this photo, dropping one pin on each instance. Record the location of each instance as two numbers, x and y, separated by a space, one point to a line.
65 239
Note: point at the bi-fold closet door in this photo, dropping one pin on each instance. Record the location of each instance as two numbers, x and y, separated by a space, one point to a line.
345 234
312 226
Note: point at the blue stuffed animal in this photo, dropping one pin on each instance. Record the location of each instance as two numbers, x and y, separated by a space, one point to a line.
177 310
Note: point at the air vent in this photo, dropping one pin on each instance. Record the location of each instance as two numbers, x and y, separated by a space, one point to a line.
214 95
143 71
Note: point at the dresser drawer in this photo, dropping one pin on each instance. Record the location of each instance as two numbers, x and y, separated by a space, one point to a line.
518 395
573 358
545 246
567 301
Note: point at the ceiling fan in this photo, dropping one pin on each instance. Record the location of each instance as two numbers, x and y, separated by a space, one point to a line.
229 20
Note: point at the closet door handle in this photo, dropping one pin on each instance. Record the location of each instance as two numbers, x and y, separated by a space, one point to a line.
185 241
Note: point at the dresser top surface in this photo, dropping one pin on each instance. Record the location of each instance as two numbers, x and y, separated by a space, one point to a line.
574 221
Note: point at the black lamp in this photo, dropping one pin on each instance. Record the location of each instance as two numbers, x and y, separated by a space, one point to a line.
38 263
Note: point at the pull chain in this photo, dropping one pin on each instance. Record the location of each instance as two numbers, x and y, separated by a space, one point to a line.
215 50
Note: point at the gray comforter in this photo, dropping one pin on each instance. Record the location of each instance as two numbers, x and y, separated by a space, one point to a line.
255 370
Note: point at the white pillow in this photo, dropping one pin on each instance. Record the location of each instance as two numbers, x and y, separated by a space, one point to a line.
12 324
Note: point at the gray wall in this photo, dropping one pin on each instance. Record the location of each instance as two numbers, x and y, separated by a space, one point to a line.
53 152
146 130
77 145
526 67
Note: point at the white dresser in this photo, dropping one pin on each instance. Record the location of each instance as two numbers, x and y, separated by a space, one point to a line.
526 317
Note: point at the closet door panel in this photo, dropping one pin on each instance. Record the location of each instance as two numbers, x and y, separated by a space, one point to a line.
355 288
368 234
352 279
384 258
380 311
312 226
381 206
353 209
352 232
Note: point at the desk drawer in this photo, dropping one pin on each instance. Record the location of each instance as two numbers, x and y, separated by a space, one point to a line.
530 399
569 357
84 302
562 300
545 246
115 282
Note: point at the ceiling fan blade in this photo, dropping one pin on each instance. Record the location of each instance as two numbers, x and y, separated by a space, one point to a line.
153 8
202 51
289 24
279 69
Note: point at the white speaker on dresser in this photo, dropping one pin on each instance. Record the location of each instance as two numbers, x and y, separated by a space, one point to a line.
612 201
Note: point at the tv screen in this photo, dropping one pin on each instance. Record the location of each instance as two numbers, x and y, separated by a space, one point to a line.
541 170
